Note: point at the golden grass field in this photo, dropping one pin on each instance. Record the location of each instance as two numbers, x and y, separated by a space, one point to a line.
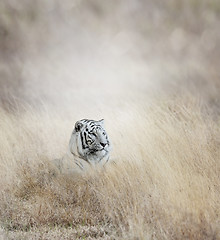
165 184
151 70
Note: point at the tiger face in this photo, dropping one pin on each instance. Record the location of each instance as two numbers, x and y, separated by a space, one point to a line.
90 141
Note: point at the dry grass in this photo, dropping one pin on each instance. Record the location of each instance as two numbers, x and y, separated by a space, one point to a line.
165 184
109 59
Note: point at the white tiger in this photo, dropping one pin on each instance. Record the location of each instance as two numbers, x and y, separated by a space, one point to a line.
89 146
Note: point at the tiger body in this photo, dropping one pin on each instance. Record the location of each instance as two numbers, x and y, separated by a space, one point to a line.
89 147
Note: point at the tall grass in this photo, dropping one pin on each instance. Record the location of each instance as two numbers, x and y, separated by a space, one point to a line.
164 185
61 62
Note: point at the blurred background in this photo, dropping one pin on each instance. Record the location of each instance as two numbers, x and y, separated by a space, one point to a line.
151 69
89 55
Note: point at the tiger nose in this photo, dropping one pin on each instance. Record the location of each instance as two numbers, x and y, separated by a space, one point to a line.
103 144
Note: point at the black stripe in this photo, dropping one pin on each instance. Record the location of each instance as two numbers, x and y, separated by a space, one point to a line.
89 138
85 120
83 145
85 136
91 130
91 123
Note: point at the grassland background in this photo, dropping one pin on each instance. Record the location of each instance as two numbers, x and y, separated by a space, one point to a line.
151 70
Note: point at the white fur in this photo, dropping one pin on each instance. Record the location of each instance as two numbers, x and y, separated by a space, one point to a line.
78 159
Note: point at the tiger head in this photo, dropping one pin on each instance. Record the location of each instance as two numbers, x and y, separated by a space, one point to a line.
89 141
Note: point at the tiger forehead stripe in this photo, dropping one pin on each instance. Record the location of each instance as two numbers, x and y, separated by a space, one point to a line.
92 123
85 120
95 128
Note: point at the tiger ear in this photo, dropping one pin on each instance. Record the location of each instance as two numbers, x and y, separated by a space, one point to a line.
101 122
78 126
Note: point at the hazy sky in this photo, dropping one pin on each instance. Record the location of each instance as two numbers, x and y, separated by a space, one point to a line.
93 52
